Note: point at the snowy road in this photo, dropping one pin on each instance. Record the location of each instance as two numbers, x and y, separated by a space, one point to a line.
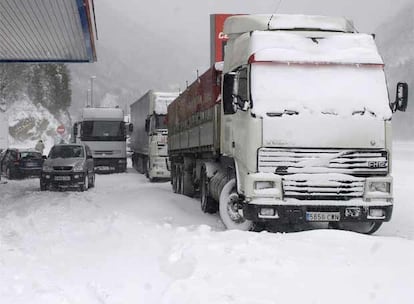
129 241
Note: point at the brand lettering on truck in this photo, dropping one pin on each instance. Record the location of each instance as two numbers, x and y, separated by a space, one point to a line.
222 36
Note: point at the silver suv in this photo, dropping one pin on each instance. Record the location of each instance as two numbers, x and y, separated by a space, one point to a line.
68 166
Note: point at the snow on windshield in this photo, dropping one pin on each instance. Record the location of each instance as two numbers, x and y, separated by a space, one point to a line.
329 89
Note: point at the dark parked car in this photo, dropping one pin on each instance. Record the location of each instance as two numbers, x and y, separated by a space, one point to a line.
68 166
20 163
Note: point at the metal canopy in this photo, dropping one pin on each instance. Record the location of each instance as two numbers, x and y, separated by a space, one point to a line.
46 31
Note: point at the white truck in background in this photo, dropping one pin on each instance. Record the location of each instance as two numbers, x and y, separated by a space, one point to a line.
148 139
294 128
103 130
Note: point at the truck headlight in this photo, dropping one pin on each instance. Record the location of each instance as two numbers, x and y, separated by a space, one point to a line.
259 185
380 186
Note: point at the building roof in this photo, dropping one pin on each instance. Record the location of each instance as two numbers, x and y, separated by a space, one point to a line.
47 31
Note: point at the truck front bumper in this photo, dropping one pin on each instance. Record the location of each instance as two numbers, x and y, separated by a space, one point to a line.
326 212
110 165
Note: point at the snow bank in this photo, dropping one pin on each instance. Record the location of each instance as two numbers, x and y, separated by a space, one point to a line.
29 123
131 241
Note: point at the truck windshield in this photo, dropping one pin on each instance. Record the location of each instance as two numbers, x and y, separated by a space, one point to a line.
66 152
160 122
328 89
103 131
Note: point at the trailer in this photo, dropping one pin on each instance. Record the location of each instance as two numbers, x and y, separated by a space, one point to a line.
293 128
148 139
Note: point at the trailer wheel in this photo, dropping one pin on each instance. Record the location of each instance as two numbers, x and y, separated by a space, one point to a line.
187 185
174 178
364 228
229 210
208 204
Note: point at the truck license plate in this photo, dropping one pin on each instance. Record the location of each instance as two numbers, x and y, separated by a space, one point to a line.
323 216
62 178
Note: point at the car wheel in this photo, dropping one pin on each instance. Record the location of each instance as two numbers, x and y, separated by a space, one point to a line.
9 174
92 181
85 185
43 186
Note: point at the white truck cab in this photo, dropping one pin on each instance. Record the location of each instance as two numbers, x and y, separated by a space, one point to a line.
307 119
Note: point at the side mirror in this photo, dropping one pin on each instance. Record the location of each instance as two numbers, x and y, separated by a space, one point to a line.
131 128
401 99
228 96
44 157
147 124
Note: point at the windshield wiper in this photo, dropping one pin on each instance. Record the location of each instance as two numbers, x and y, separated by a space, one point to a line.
278 114
362 112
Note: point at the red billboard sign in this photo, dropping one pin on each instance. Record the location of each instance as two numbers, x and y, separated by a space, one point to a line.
217 38
60 129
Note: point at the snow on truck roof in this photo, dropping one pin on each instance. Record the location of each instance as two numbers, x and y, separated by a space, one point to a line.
247 23
341 48
161 101
115 114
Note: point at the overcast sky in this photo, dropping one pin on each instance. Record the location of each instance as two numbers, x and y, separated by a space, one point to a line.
367 14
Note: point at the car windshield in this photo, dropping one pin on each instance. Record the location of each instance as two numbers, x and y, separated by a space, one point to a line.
66 152
27 155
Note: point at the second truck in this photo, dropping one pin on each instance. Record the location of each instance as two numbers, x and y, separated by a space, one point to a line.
148 139
294 128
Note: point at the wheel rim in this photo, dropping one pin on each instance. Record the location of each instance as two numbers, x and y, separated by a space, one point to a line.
233 210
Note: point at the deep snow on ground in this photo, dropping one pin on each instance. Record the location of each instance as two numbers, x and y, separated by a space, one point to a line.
130 241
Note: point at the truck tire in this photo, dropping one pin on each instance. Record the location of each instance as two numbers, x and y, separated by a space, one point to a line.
364 228
208 204
229 211
187 185
174 178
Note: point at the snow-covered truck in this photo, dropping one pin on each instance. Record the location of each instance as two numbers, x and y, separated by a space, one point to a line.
148 140
295 127
103 130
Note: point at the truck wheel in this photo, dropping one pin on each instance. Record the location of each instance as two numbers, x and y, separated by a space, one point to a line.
364 228
229 211
208 204
174 178
187 183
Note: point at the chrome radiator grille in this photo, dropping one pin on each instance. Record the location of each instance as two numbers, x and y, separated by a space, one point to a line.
323 186
353 162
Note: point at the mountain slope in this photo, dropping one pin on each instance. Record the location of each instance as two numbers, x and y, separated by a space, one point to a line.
396 42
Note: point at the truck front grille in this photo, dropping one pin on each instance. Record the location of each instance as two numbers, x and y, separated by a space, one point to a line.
323 186
358 162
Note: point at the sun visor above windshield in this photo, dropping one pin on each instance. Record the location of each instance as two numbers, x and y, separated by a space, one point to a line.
341 48
247 23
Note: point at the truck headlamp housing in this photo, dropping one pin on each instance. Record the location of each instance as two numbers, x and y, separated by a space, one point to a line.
379 186
259 185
